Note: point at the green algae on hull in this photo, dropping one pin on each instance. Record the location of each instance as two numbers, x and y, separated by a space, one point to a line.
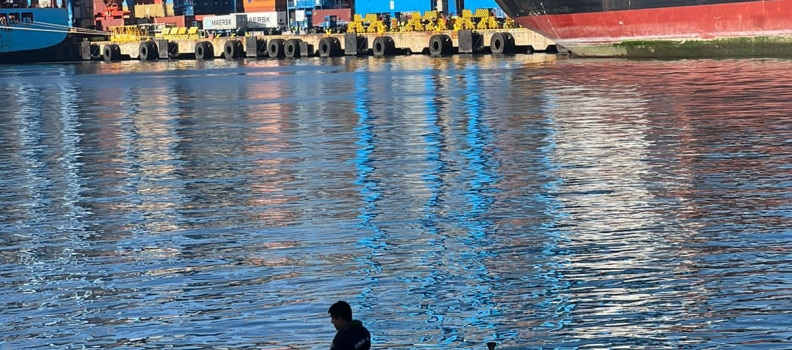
760 46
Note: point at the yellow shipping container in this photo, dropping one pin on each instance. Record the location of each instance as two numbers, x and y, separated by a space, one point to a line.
153 10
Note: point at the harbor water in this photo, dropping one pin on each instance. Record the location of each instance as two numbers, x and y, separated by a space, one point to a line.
535 201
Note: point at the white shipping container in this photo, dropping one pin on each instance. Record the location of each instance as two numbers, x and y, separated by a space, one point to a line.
265 20
299 15
225 22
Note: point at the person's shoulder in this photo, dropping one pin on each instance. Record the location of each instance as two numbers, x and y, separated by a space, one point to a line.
358 339
361 337
362 327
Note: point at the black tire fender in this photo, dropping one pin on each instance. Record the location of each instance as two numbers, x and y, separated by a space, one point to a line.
275 48
204 50
111 52
440 44
232 49
330 47
148 51
502 43
383 46
292 48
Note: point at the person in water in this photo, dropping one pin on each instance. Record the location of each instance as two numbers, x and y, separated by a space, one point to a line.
351 335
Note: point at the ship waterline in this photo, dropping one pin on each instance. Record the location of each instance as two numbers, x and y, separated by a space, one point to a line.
660 28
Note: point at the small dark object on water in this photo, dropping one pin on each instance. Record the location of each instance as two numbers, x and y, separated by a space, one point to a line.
491 345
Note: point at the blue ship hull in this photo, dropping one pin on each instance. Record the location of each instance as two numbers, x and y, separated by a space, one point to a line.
32 34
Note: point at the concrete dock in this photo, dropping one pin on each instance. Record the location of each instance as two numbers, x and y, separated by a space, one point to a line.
191 46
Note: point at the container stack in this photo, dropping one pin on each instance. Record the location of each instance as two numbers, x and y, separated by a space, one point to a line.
265 15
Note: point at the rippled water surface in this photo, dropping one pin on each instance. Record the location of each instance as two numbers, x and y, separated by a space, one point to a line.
528 200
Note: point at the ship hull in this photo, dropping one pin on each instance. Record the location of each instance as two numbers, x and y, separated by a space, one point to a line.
32 34
65 51
728 29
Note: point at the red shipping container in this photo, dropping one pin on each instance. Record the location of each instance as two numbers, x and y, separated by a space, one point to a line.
342 16
179 21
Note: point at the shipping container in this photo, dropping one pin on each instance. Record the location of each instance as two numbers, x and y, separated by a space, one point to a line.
300 15
102 23
225 22
363 7
483 4
478 4
407 6
264 5
266 20
178 21
342 16
154 10
305 4
316 4
218 7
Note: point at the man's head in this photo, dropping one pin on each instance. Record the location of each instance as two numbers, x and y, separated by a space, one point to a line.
340 314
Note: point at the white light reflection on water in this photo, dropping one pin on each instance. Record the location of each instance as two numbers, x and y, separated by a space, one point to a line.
536 202
602 148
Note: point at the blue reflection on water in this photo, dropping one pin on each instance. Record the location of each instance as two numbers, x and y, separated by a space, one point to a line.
368 186
434 141
125 222
479 194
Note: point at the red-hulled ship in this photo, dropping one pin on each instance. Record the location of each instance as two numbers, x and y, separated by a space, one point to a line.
660 28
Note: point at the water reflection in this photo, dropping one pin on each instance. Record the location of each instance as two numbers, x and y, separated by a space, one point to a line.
609 208
531 201
663 290
373 237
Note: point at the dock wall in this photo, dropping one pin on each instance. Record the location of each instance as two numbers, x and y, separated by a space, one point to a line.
516 40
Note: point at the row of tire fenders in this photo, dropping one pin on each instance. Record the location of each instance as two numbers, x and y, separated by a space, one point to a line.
439 44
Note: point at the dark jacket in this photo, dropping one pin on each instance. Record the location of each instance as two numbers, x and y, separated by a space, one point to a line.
354 336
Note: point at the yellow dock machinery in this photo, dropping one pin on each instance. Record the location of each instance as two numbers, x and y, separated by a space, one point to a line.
414 24
375 24
486 20
465 22
121 34
356 26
